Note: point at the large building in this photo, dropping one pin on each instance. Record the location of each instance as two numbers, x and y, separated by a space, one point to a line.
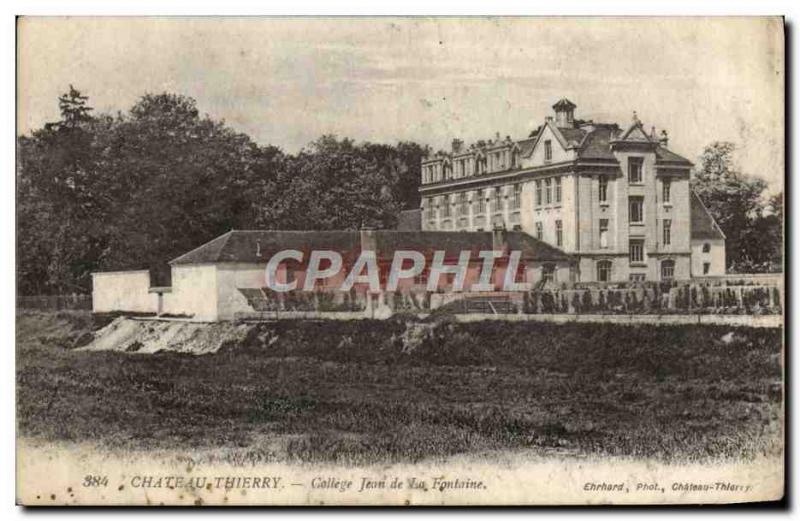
616 198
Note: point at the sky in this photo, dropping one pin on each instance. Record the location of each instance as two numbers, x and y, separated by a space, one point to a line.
287 81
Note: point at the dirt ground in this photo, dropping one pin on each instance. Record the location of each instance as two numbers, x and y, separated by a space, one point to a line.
366 392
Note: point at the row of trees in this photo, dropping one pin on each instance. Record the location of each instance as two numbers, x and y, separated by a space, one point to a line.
133 190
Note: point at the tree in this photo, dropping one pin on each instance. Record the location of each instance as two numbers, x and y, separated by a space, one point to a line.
735 201
333 185
132 191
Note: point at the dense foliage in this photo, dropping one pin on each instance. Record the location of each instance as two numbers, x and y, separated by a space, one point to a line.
134 190
753 226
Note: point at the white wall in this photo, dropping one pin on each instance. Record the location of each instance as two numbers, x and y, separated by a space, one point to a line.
122 291
194 292
231 277
716 257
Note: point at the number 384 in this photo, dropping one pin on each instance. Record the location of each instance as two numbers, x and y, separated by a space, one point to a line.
95 481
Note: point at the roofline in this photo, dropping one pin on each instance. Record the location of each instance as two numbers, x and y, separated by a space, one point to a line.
559 136
176 259
116 272
705 208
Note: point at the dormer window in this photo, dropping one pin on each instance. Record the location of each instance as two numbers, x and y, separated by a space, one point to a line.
635 170
548 150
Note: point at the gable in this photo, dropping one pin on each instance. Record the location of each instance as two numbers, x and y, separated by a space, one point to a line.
558 145
636 133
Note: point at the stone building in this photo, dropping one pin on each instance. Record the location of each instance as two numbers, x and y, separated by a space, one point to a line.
616 198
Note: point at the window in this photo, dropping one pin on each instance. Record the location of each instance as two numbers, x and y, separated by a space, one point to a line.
666 185
446 206
558 189
667 232
430 213
548 150
667 269
480 202
539 193
515 201
636 251
603 189
706 268
548 194
514 158
549 272
498 199
603 271
559 233
448 171
636 277
636 209
634 170
463 204
539 233
604 233
480 165
706 248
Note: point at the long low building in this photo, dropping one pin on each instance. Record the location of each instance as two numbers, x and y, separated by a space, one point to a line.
212 282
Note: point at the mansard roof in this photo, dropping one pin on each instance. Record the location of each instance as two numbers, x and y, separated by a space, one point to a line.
663 155
526 145
573 136
596 144
257 246
591 141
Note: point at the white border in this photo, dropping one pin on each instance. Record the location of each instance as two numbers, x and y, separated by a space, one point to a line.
317 7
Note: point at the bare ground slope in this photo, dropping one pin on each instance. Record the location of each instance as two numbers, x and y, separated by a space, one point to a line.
397 391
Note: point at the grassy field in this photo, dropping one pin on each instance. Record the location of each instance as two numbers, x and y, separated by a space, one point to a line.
392 391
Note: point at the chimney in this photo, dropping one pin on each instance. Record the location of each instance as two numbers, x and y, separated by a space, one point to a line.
664 139
368 240
499 238
565 113
457 146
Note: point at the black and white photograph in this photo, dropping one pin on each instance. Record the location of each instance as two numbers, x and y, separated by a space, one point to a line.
399 261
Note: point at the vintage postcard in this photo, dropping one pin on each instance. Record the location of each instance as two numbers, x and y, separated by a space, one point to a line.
400 261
